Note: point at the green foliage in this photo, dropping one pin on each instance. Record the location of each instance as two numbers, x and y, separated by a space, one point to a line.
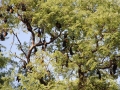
4 76
93 33
3 61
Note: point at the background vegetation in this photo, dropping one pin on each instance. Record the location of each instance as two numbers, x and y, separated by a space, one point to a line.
74 44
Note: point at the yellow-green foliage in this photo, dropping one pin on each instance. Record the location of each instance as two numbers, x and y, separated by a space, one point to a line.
96 27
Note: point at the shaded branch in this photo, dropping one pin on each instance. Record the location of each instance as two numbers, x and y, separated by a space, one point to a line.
111 62
29 27
30 30
106 66
40 44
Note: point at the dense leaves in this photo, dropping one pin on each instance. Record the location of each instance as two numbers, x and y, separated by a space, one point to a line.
74 44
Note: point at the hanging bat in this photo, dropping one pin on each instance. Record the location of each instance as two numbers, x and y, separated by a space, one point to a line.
58 25
35 50
1 15
39 33
23 7
114 68
98 72
18 78
71 52
10 9
2 37
5 20
5 34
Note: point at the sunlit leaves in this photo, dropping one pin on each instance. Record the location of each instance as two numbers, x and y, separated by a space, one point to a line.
96 30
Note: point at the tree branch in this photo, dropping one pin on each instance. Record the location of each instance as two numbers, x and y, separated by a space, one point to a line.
20 58
12 42
30 30
39 44
27 23
29 27
106 66
20 45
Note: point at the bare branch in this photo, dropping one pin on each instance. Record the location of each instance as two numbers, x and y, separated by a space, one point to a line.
20 45
12 42
20 58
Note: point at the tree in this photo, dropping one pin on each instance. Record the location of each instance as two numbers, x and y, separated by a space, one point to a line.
5 75
74 44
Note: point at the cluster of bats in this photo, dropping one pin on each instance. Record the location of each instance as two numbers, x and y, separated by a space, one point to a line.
58 26
112 71
64 44
65 41
3 35
18 6
10 9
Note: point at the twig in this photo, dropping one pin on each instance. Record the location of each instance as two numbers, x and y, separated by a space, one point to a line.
12 42
20 44
20 58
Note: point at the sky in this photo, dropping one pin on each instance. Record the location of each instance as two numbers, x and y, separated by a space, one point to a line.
8 43
11 39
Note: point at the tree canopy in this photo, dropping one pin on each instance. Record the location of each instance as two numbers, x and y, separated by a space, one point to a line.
74 44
